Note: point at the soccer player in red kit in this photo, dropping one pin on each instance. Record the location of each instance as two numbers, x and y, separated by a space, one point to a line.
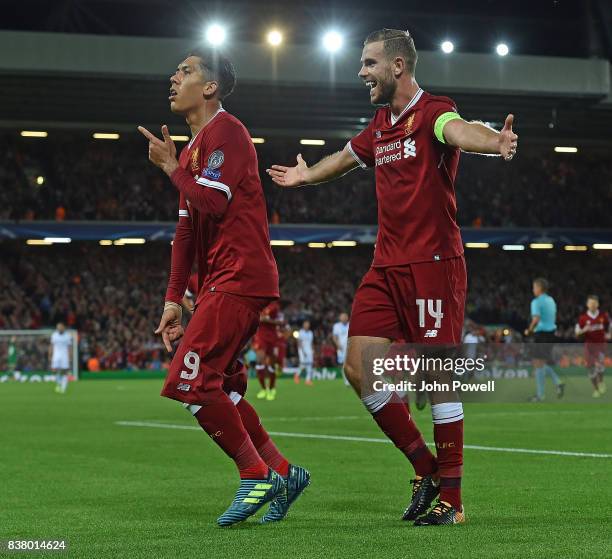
265 344
223 226
416 287
594 327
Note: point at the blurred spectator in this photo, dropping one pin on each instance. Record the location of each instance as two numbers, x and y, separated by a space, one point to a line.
93 180
114 295
93 364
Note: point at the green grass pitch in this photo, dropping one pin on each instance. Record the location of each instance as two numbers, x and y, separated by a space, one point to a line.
69 470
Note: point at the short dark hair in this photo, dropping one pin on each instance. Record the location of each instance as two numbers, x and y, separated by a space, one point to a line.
396 43
543 283
594 297
217 67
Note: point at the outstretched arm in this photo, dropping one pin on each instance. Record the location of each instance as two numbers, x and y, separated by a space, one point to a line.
476 137
329 168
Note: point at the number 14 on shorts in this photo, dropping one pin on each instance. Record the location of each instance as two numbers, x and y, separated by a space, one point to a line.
434 310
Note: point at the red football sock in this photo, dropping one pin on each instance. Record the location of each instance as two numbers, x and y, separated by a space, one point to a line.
449 444
272 377
262 441
395 421
423 460
222 422
271 456
261 375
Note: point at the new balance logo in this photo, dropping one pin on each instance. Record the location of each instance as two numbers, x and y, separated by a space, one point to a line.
183 387
409 148
431 334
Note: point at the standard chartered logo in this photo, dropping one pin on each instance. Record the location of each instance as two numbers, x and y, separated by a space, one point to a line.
409 148
392 152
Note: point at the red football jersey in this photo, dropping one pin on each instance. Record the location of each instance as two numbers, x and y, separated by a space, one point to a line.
193 285
415 175
598 326
234 250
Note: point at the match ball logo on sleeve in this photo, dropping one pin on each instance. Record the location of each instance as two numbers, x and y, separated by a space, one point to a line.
216 159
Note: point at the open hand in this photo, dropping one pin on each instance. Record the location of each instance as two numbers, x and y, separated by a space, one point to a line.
508 140
289 177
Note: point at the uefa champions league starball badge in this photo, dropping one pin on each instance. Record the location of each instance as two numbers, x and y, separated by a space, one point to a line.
216 159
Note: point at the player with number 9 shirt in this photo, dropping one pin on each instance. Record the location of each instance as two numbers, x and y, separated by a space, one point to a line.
222 224
415 289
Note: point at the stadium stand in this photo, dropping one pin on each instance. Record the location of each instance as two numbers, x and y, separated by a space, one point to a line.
102 292
537 190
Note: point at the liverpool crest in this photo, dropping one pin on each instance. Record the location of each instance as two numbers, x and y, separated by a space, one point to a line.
408 125
195 160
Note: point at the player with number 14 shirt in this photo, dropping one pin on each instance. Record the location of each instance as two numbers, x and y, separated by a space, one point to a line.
415 289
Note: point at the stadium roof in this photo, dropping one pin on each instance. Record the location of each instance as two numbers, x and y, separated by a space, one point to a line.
578 28
561 101
284 111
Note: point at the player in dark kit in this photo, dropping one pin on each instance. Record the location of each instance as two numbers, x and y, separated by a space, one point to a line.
415 290
223 225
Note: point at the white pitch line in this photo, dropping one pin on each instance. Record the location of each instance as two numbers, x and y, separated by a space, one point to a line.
372 440
536 451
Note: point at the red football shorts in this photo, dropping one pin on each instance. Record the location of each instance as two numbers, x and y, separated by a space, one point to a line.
205 362
594 354
416 303
268 345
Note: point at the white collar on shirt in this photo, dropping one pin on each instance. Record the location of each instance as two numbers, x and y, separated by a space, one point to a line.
412 103
221 110
593 315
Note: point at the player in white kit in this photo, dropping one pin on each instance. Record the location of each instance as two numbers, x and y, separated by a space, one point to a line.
59 355
340 334
305 350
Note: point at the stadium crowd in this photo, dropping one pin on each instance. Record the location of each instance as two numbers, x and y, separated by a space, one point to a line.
76 179
113 295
